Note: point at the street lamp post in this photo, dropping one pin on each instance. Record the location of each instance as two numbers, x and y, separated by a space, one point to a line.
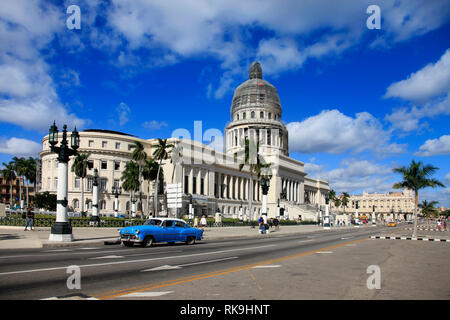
240 212
326 218
374 223
356 214
62 230
94 218
265 184
133 205
116 191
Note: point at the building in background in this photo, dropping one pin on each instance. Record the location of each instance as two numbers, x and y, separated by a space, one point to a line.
211 180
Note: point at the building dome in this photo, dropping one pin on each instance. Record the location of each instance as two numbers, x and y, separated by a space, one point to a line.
256 106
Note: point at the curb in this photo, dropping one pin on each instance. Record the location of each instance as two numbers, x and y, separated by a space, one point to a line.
409 238
428 229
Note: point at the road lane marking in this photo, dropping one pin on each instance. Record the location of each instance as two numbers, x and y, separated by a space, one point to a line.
324 252
107 257
149 294
158 285
134 261
169 267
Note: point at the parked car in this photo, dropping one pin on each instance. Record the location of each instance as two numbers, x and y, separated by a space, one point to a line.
392 224
160 230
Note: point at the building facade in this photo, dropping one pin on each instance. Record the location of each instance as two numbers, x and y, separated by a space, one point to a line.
391 205
213 181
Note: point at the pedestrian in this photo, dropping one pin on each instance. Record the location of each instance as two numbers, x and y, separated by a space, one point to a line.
270 223
261 224
203 222
196 222
30 218
445 225
276 223
439 225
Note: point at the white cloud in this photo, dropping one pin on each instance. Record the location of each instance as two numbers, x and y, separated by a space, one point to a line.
333 132
20 147
429 91
154 125
185 29
28 96
430 81
123 110
435 147
354 175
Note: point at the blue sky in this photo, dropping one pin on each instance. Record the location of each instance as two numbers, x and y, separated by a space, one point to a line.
357 102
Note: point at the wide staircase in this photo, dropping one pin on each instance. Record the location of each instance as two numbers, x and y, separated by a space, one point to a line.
306 211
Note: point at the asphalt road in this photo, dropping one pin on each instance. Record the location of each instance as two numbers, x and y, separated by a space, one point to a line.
116 272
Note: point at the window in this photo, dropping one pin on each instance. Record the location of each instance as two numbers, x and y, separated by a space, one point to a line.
116 165
90 164
55 183
76 204
90 182
179 224
104 165
91 143
270 115
117 145
103 205
261 114
252 114
77 184
104 144
116 183
130 146
237 116
103 182
168 223
243 115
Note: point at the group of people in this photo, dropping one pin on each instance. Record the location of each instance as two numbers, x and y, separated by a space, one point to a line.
442 223
266 225
203 222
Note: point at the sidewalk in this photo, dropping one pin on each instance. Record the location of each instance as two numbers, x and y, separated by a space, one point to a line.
12 237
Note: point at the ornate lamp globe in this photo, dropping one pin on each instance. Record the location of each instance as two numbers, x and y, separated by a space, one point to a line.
75 139
53 134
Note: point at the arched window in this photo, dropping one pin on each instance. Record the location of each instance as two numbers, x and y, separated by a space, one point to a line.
103 205
252 114
76 203
261 114
243 115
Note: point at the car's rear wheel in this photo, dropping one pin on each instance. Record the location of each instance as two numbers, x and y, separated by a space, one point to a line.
148 241
190 240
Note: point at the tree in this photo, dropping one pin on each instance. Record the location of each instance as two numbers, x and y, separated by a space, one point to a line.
162 150
416 177
30 174
130 177
428 209
9 174
139 155
257 166
20 166
344 200
149 173
45 200
79 167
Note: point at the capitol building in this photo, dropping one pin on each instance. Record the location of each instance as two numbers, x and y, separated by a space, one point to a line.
212 181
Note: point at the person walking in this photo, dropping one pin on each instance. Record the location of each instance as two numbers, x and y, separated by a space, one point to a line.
439 225
30 219
262 228
276 223
203 222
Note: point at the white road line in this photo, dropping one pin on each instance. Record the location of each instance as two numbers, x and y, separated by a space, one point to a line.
324 252
168 267
301 241
134 261
108 257
146 294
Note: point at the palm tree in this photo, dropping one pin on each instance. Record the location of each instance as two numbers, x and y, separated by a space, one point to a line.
256 164
162 150
20 166
79 167
139 155
30 174
416 177
9 174
130 178
428 209
344 199
149 173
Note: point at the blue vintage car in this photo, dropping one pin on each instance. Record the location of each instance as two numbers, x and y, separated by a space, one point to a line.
160 230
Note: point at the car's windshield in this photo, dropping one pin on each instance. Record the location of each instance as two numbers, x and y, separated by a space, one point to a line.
153 222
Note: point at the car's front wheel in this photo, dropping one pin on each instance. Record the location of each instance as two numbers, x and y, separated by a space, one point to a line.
190 240
148 241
